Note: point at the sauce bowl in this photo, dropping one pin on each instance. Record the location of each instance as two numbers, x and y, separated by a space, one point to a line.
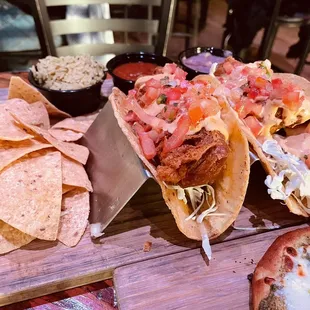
195 51
126 84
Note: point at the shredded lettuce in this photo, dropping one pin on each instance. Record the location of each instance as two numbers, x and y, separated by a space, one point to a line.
293 175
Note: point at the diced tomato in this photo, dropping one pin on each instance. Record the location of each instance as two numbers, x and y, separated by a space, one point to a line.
228 67
251 79
173 94
178 135
291 100
180 74
195 113
276 83
153 83
131 117
247 106
245 71
169 68
253 93
153 134
253 124
150 95
146 142
148 146
260 82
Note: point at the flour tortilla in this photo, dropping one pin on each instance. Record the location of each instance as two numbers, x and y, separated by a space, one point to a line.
18 88
73 222
33 114
77 124
31 192
65 135
77 152
272 266
74 174
11 151
230 189
12 238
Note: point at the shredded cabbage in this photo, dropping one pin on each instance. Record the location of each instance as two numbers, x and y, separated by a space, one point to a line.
199 196
293 176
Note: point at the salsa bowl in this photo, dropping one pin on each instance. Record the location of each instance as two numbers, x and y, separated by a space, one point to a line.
126 68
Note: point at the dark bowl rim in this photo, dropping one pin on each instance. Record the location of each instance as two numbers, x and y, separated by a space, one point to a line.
33 82
110 69
203 49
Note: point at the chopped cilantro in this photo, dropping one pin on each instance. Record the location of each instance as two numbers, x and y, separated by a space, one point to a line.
162 99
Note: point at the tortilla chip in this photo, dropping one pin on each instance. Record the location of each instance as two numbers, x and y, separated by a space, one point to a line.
33 114
65 135
74 174
66 188
11 151
12 238
78 124
8 129
31 192
22 90
73 221
77 152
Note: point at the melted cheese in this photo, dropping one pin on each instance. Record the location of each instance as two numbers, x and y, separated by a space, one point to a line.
212 123
296 284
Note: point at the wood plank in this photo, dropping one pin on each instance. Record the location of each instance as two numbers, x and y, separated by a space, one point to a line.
46 267
188 281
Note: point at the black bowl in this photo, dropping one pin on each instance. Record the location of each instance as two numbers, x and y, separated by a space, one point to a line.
75 102
198 50
126 85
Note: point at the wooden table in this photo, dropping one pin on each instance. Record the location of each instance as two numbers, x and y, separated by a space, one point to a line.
174 274
99 295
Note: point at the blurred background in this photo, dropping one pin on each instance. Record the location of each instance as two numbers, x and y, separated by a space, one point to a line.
238 25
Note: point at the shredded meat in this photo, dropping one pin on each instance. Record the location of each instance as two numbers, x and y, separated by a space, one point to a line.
199 160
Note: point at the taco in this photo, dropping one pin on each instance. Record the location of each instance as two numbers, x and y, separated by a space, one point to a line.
274 110
193 146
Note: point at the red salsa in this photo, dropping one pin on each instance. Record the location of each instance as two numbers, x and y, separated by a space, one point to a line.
133 70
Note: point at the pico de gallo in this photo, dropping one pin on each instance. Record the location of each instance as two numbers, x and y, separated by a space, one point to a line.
165 114
262 100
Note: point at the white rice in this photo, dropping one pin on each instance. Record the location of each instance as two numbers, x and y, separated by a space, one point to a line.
68 72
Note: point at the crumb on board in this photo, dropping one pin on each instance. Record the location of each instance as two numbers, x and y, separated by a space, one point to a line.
147 246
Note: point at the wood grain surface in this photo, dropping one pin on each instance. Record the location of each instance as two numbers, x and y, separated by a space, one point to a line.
42 268
219 284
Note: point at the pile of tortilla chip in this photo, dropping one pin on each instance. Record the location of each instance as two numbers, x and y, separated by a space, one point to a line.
44 188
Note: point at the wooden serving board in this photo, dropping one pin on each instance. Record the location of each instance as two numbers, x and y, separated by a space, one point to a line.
188 280
44 267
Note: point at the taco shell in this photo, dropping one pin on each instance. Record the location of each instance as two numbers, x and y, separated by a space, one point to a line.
230 188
